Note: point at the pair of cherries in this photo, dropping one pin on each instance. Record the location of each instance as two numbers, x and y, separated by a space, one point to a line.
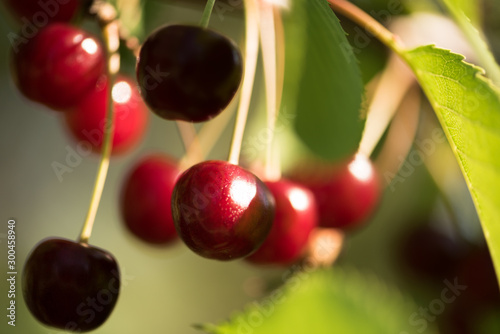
222 211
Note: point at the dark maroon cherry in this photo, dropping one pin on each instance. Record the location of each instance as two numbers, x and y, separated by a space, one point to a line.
346 194
36 14
146 197
222 211
69 285
87 121
188 72
296 217
58 66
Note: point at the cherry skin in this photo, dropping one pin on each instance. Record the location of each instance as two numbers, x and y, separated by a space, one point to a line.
39 13
146 197
188 72
347 194
58 66
87 121
222 211
296 217
61 276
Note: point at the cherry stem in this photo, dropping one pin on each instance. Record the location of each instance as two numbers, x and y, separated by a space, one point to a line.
191 143
371 25
268 44
109 27
207 12
251 55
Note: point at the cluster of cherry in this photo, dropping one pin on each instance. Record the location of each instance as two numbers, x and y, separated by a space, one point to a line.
220 210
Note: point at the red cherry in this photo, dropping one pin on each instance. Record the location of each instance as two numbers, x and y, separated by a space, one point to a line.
296 217
38 13
87 122
146 197
58 66
347 194
62 280
222 211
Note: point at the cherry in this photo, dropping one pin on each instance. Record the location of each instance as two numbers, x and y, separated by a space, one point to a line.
188 73
70 285
87 122
222 211
58 66
347 194
41 12
146 196
296 217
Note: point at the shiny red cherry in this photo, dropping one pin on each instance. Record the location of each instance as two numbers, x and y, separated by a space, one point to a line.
58 66
347 194
146 196
69 285
222 211
87 122
296 217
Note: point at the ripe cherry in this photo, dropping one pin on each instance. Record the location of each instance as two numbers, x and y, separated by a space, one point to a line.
346 194
70 285
222 211
87 122
58 66
146 197
188 72
296 217
39 13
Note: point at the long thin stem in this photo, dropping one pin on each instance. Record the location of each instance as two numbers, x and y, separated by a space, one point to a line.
191 144
205 18
268 43
371 25
251 55
110 34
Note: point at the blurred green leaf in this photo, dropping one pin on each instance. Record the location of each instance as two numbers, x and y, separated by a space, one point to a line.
476 38
325 302
470 8
468 107
323 85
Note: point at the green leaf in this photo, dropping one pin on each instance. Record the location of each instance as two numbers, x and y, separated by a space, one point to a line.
325 302
468 107
458 9
323 85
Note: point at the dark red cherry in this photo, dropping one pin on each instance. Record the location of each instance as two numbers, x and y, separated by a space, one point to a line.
188 72
35 14
69 285
346 194
296 217
146 197
87 122
58 66
222 211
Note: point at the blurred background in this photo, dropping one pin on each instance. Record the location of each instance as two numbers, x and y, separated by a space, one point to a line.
167 290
